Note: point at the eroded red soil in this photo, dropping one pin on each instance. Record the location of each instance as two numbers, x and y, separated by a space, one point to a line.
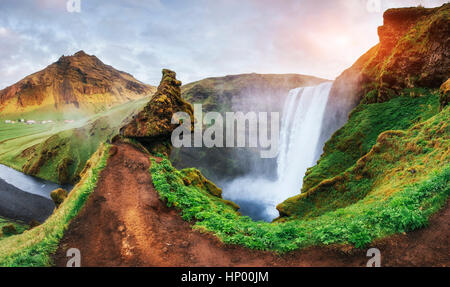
125 224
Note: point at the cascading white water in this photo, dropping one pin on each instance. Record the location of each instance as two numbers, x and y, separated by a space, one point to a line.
299 139
300 132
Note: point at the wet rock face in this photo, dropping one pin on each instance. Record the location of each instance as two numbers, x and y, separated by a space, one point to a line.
152 126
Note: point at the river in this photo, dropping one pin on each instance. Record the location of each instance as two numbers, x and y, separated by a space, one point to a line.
25 198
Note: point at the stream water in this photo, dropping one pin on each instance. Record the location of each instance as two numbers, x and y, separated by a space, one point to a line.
25 198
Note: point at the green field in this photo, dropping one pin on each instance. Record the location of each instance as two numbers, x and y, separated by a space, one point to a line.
58 151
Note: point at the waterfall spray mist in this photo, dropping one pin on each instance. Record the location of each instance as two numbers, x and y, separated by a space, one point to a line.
299 140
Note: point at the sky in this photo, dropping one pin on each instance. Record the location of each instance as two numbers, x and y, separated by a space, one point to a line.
195 38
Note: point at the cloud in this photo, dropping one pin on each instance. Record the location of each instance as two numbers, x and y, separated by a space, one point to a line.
196 38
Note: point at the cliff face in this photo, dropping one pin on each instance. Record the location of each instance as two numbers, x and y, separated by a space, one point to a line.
414 51
81 82
399 85
152 126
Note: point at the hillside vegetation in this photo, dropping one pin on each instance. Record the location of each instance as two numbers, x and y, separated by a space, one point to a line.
220 93
74 86
365 124
34 247
397 85
59 151
385 171
9 228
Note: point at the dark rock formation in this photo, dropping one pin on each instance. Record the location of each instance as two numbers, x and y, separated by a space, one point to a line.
152 126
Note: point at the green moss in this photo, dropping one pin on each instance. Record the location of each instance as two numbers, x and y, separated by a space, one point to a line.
398 159
406 55
58 196
34 247
58 152
10 227
357 224
193 177
365 124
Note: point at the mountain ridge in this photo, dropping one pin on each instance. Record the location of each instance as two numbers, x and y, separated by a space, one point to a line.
80 82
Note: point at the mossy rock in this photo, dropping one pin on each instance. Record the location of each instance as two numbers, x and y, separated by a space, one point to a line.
64 170
153 125
9 230
193 177
33 223
58 196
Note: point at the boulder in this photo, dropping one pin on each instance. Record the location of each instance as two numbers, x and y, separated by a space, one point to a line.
58 196
9 230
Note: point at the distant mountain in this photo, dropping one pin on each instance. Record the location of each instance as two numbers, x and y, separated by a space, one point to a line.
238 92
80 83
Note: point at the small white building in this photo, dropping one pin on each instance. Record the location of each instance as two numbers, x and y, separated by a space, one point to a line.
31 122
7 121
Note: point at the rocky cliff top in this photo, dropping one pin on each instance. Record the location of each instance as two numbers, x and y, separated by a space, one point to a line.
414 51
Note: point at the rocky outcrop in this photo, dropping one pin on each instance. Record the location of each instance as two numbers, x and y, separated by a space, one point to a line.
152 126
80 82
414 51
58 196
193 177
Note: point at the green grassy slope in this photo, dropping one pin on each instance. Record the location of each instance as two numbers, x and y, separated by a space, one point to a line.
391 208
34 247
216 94
398 159
59 151
365 124
18 226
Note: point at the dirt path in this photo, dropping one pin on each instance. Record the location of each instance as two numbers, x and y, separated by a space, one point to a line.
125 224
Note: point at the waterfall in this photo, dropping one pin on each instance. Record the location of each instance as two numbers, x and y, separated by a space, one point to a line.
300 132
300 139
